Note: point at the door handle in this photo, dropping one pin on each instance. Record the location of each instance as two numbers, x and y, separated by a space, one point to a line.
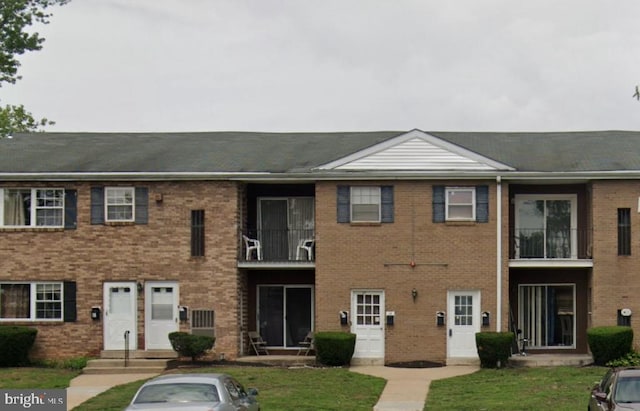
450 332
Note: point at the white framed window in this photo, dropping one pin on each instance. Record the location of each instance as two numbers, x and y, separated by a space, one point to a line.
460 203
365 204
40 301
32 207
546 226
119 204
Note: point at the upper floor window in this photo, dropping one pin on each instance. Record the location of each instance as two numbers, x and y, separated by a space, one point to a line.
119 204
197 233
460 203
546 226
624 231
365 204
32 207
31 301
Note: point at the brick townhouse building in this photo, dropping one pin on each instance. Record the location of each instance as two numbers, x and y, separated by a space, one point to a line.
414 241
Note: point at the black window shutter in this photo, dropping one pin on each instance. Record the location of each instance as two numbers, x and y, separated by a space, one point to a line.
70 310
482 204
438 204
142 205
344 204
97 205
386 194
70 209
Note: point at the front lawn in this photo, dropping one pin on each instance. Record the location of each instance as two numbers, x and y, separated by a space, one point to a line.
557 388
547 388
280 389
36 377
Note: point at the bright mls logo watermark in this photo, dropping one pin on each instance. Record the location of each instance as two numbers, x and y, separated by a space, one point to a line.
40 400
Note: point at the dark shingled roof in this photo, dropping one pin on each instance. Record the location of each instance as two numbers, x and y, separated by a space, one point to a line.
564 152
179 152
234 152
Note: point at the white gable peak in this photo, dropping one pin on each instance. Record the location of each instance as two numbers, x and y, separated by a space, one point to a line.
415 150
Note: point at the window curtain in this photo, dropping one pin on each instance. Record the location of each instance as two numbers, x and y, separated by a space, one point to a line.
301 222
14 208
14 301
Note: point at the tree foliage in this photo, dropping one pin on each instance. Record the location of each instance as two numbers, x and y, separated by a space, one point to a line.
16 17
15 119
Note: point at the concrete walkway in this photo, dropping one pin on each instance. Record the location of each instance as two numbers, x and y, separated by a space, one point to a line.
407 388
85 386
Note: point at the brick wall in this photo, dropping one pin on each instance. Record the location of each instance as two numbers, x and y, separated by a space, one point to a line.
353 256
159 250
616 279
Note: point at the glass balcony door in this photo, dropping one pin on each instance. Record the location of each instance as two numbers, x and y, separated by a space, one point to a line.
282 224
546 226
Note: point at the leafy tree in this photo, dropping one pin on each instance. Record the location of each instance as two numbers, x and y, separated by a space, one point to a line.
16 16
15 119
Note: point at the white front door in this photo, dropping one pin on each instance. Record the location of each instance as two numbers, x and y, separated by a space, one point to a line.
367 322
120 315
463 322
161 313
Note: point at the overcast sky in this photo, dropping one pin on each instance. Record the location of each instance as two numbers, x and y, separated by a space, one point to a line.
294 65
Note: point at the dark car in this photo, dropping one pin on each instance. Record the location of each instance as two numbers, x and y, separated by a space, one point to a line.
194 392
618 390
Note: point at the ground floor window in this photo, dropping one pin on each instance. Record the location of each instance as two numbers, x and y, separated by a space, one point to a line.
31 301
547 314
285 314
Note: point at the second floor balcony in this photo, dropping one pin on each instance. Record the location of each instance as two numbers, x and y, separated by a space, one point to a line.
551 244
281 248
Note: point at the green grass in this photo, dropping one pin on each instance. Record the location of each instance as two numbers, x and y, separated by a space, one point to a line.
553 388
557 388
280 389
36 377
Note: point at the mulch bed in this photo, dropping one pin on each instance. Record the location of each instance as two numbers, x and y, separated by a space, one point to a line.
415 364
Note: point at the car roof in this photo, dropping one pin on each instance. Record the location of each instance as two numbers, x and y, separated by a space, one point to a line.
183 378
628 372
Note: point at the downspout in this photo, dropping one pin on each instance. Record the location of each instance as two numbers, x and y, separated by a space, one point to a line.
498 254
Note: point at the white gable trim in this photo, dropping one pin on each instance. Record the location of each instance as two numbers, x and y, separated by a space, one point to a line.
415 150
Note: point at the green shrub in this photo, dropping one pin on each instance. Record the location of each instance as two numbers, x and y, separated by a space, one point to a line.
75 363
494 348
631 359
609 343
15 344
189 345
334 348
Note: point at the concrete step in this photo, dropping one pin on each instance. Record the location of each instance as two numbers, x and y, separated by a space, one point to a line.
116 366
279 360
550 360
170 354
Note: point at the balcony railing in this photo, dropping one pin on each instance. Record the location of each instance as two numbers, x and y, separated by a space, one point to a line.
551 244
267 245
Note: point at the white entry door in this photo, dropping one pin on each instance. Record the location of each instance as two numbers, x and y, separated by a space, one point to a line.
463 322
161 313
367 322
120 315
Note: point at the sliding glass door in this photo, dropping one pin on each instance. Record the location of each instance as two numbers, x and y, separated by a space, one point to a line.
285 314
547 315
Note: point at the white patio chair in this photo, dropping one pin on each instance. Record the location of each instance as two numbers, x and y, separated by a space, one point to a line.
305 245
251 244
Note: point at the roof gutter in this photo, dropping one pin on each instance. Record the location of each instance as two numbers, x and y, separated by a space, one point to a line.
324 176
